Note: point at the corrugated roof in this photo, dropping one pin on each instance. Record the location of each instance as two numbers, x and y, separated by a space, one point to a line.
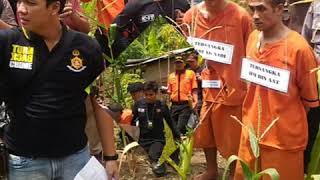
137 62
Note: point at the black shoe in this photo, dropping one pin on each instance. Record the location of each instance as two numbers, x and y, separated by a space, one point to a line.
159 169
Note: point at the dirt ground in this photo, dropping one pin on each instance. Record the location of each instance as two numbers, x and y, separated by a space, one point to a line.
140 168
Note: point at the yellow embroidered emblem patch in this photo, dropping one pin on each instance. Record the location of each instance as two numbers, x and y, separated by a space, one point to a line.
76 62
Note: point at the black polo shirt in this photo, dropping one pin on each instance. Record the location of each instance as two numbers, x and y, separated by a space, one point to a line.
137 15
150 117
47 119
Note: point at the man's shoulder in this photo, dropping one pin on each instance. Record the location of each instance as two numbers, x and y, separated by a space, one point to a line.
140 102
238 12
12 32
192 10
297 42
12 35
83 39
172 75
190 72
254 35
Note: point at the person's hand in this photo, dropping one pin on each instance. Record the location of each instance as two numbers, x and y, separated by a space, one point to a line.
67 11
179 16
112 170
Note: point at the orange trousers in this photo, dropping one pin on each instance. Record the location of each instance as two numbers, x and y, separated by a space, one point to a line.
289 164
218 129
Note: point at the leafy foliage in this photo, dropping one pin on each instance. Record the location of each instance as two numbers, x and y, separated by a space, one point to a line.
314 164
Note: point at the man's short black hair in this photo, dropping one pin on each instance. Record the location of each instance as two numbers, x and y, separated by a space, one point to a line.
62 3
152 86
135 87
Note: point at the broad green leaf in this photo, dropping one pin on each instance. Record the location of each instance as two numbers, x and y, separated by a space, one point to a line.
314 164
186 155
170 145
247 173
254 144
273 173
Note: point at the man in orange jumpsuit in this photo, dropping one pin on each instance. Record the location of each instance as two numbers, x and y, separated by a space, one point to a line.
182 87
223 92
275 48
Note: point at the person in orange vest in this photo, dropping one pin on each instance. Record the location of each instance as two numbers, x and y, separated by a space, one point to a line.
182 87
286 91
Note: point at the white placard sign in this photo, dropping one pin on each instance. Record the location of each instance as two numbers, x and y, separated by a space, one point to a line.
212 50
211 84
264 75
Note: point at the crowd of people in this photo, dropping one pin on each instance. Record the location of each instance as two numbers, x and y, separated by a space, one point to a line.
47 61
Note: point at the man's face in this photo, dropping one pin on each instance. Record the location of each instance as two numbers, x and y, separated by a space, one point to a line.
192 61
36 14
151 96
265 15
179 65
136 96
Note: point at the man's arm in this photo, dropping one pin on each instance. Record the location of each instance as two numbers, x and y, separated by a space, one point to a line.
105 128
194 98
306 78
134 115
194 86
7 18
4 25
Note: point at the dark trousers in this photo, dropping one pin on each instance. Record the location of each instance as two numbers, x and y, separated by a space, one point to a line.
313 127
180 115
153 149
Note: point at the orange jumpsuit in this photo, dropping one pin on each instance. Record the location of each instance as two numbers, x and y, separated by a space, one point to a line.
232 26
282 146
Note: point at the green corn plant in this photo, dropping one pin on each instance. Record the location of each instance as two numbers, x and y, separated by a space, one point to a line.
254 139
314 164
185 148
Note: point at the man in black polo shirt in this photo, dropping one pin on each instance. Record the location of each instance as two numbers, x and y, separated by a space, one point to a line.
136 16
44 70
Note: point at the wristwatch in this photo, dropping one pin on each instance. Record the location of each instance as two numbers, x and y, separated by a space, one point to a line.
110 158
